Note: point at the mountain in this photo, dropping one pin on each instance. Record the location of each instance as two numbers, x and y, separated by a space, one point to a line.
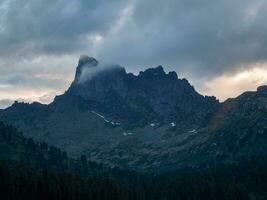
150 97
150 122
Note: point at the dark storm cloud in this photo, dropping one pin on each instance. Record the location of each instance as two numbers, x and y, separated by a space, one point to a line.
54 26
203 36
206 37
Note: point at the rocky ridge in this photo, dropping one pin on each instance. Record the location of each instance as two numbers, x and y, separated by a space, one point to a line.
150 121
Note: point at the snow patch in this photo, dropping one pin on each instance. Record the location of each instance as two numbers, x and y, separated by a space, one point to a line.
173 124
126 133
193 131
101 116
154 124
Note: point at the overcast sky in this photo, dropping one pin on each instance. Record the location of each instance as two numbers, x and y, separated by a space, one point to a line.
219 46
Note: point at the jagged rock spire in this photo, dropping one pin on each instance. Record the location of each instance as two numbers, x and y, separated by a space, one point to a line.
84 62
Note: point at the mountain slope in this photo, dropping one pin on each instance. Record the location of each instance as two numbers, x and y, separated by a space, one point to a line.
16 149
241 127
149 122
22 182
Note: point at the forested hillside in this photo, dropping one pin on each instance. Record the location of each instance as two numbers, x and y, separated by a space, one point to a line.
30 170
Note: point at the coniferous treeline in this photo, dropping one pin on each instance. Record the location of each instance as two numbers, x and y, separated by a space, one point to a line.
22 182
248 182
31 170
17 149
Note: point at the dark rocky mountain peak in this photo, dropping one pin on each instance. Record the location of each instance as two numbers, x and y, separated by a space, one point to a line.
153 72
84 59
152 95
85 62
150 120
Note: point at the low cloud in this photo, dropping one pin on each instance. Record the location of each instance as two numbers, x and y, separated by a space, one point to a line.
89 72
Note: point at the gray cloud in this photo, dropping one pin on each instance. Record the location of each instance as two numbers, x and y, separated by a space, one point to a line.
54 26
203 37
